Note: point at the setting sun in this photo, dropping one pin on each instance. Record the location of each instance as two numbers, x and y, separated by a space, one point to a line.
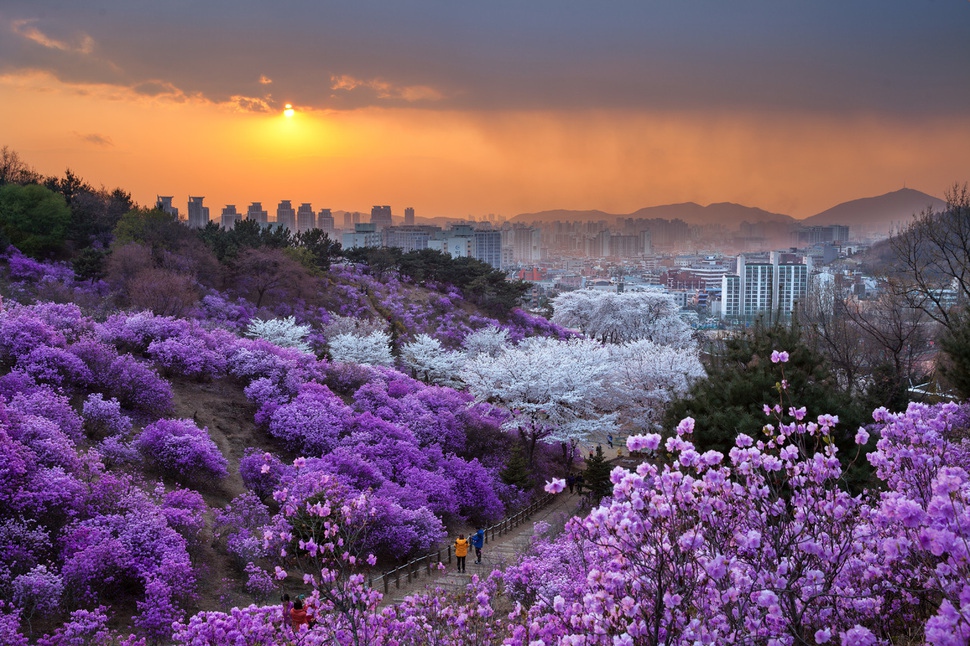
288 110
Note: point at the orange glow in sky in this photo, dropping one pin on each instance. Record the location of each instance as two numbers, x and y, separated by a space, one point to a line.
460 163
470 109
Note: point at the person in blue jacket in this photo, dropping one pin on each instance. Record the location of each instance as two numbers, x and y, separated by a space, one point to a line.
478 542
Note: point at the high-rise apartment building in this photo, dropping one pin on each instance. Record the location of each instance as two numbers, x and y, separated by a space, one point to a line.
409 238
463 241
258 213
773 287
525 242
365 234
488 247
306 219
325 222
409 216
286 216
198 214
380 216
230 216
164 203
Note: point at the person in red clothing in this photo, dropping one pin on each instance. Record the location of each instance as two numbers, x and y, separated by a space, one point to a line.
298 616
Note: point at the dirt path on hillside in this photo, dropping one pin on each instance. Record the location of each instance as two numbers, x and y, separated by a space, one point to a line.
222 408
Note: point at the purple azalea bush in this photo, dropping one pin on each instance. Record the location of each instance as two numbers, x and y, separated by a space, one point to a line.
181 447
103 417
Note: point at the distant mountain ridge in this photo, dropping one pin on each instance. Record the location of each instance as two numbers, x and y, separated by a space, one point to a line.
870 213
877 213
689 212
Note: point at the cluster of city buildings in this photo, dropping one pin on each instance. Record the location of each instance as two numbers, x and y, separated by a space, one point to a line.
638 254
499 247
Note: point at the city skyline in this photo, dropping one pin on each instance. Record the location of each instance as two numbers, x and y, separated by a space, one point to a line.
504 109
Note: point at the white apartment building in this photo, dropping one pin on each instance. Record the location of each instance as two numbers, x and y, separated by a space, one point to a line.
164 202
285 215
326 223
306 219
198 214
230 216
258 213
774 287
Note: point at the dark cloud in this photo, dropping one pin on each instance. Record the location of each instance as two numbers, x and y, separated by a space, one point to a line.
882 56
102 141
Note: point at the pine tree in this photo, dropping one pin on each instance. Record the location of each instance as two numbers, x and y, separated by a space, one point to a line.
596 476
956 345
516 471
742 379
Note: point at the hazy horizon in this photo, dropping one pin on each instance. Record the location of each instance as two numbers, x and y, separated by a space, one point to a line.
507 108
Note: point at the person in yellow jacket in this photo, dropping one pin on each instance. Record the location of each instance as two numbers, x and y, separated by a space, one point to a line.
461 551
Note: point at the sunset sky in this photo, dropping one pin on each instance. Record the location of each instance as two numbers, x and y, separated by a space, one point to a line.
461 108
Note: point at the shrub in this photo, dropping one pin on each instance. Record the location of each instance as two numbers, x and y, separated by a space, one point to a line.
20 333
103 418
241 523
188 356
184 510
115 451
313 421
38 591
54 366
136 386
135 332
47 404
183 448
261 472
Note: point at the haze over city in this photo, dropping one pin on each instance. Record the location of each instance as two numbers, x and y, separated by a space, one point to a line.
500 108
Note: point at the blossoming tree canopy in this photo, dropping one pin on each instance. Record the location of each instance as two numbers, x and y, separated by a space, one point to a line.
629 316
549 387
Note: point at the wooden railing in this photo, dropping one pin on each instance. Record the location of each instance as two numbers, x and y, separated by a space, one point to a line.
412 569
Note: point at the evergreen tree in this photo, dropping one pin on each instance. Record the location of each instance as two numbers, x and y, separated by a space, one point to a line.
89 264
742 379
322 250
516 471
596 476
33 218
956 346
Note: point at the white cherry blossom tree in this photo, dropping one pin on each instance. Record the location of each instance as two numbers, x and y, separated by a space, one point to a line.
430 362
617 318
373 349
550 388
645 376
286 333
490 340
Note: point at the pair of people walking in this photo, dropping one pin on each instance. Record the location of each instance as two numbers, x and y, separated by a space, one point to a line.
462 544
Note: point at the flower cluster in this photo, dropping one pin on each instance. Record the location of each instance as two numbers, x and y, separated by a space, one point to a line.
181 447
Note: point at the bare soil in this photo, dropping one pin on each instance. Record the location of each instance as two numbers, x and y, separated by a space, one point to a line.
222 408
